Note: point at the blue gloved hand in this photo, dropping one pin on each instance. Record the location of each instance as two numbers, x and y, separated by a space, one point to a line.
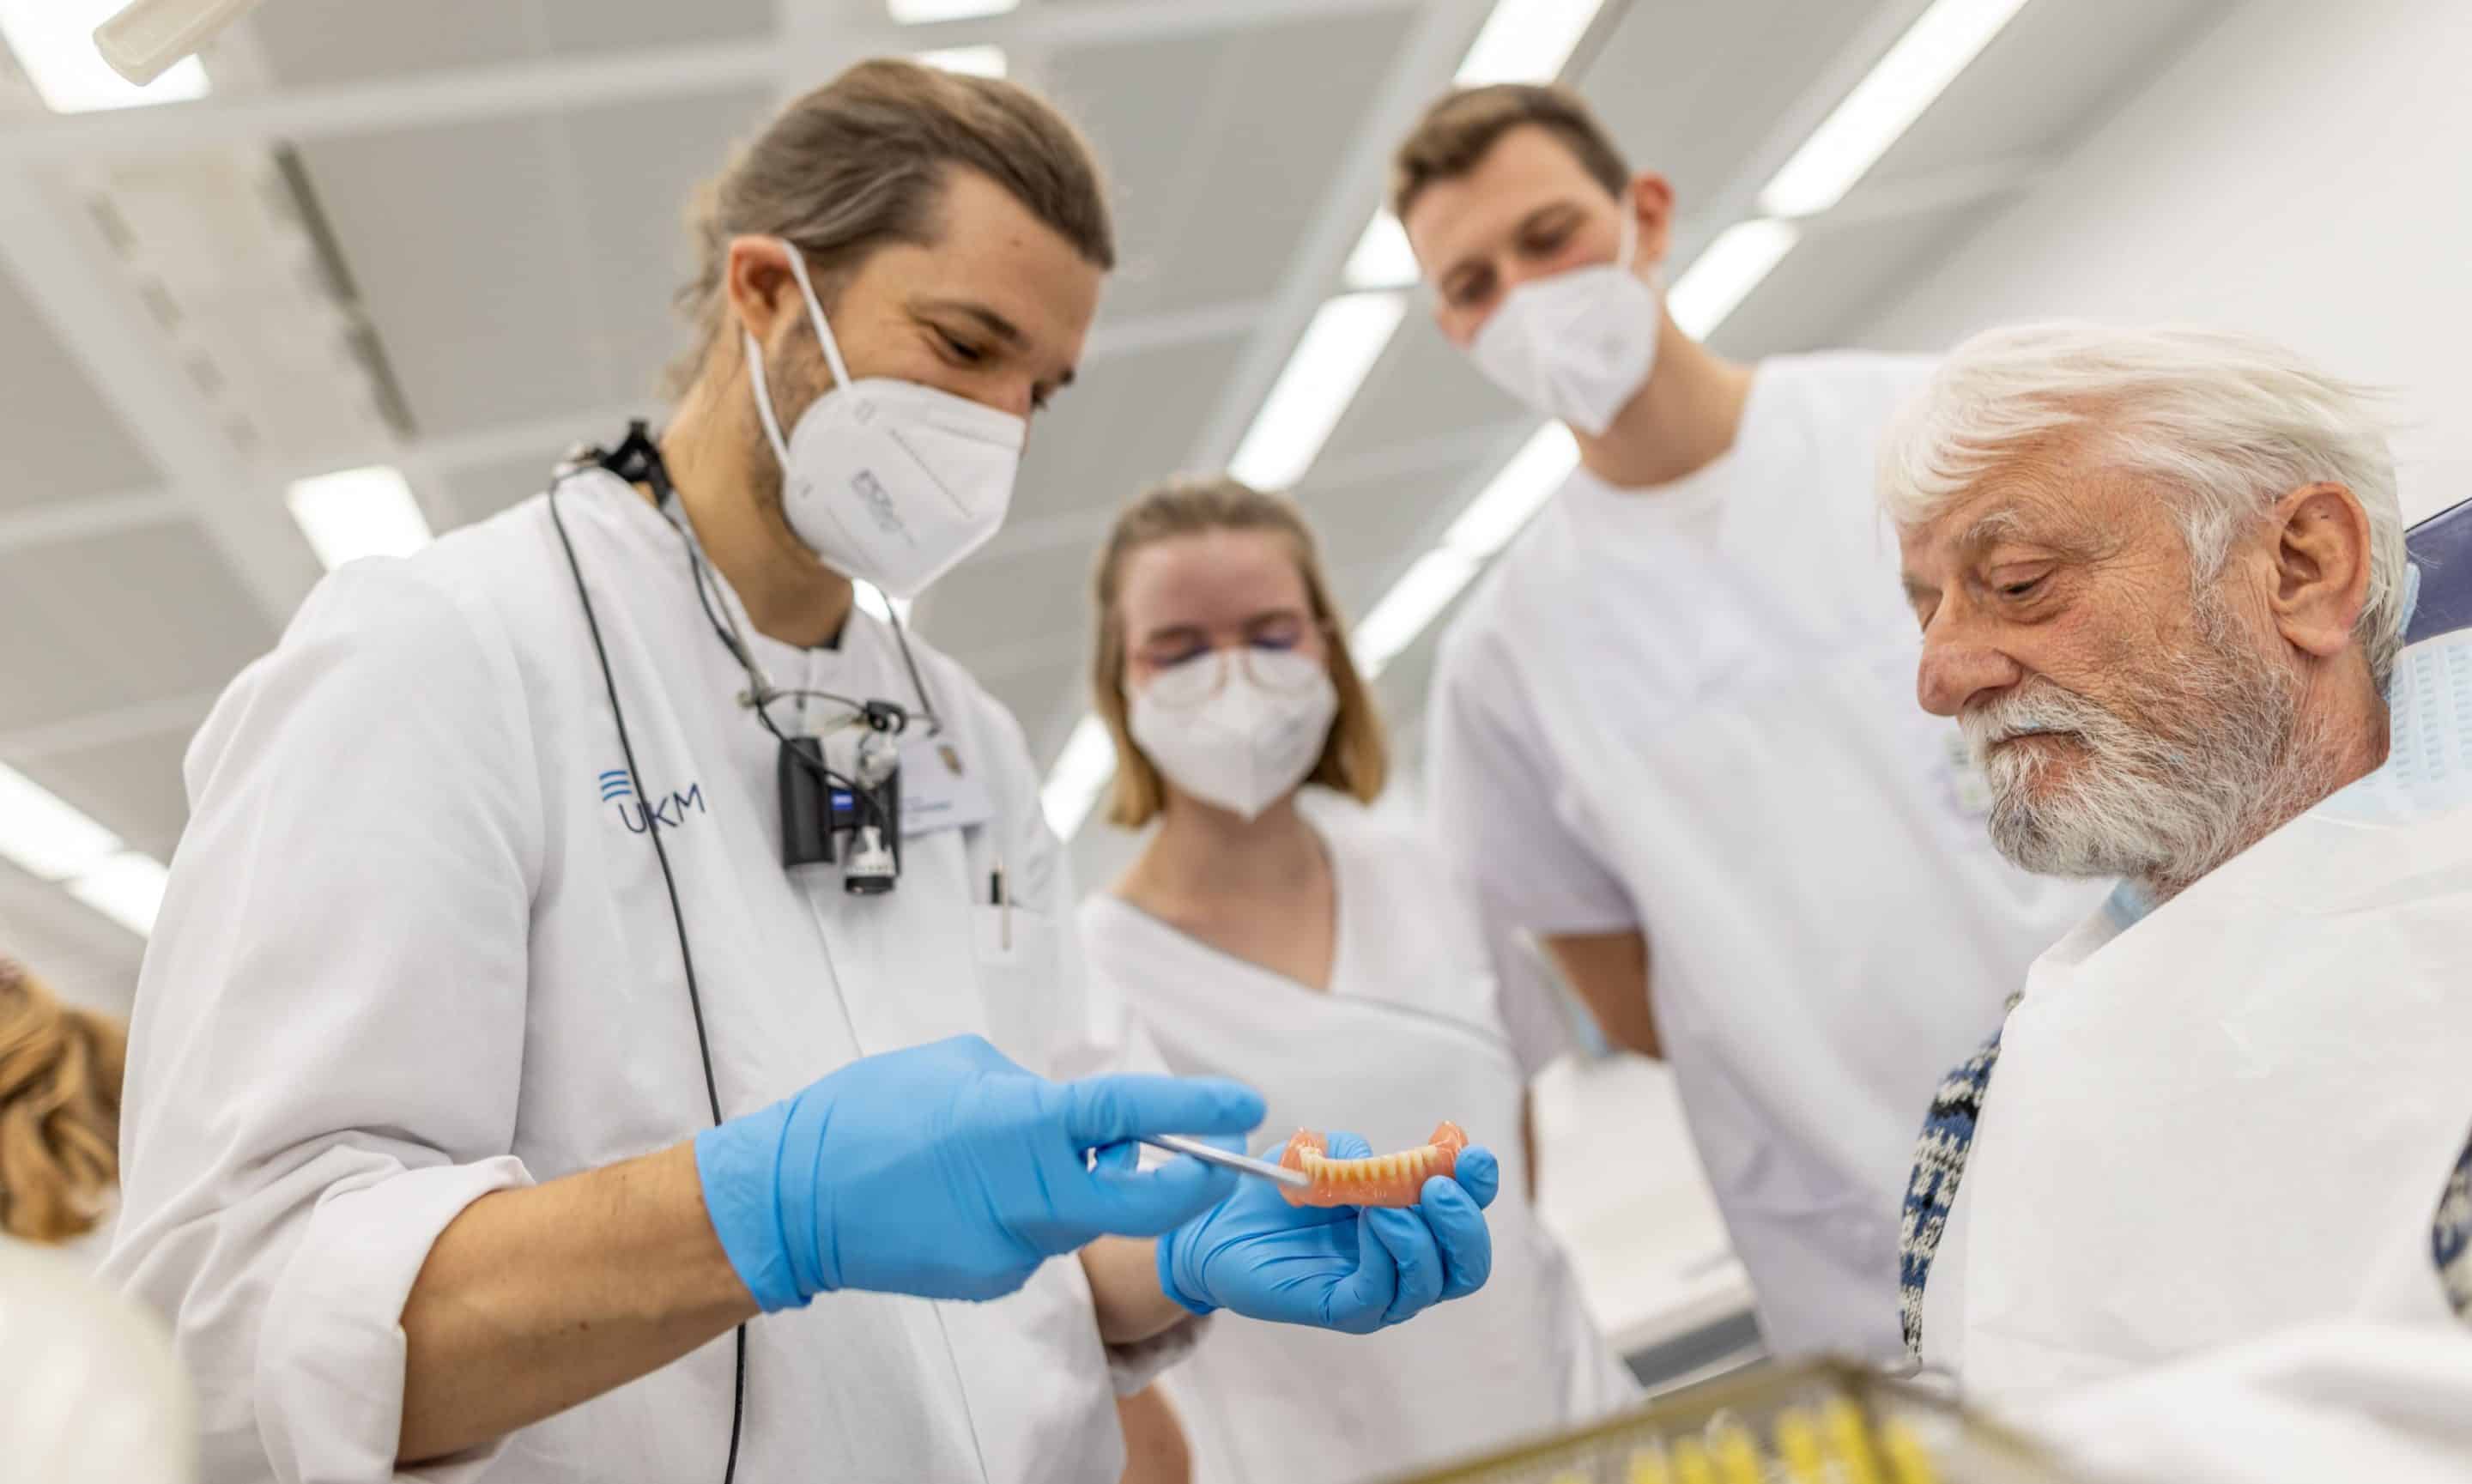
1336 1267
949 1172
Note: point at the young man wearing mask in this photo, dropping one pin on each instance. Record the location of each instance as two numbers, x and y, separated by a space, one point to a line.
1672 735
489 1067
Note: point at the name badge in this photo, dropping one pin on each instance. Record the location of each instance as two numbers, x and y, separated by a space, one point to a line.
939 789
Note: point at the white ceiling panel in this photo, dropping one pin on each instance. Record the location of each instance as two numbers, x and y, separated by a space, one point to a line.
1131 419
1078 531
455 236
1220 147
86 958
1034 695
1383 520
634 164
63 441
1358 588
585 27
2052 74
1422 388
176 621
1039 598
318 45
1406 680
1691 90
480 491
313 45
134 787
1836 280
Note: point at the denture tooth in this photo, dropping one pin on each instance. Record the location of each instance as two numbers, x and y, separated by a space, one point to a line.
1394 1179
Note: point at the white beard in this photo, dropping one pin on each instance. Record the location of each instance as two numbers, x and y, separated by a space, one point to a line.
2208 768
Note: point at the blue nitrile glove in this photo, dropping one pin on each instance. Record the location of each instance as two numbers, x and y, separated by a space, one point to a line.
1335 1267
949 1172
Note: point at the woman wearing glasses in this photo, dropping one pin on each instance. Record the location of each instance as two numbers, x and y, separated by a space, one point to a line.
1274 930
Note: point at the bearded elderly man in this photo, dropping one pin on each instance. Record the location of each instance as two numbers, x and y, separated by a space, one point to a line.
2163 585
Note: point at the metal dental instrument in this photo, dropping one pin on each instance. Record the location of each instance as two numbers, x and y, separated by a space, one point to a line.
1242 1164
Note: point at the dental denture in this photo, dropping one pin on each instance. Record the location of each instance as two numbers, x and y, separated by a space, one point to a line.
1383 1180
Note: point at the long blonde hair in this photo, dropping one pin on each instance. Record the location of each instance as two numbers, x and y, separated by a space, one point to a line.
59 1109
1355 761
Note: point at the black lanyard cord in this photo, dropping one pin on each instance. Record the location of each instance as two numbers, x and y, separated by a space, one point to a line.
677 917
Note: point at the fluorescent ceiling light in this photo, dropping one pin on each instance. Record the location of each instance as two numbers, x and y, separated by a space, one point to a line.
1081 770
927 13
1498 513
1524 484
1724 275
1526 42
127 888
1413 602
1338 348
1383 258
871 602
358 513
977 61
44 833
1885 103
54 42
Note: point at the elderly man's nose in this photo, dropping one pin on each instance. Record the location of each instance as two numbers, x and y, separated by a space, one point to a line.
1956 671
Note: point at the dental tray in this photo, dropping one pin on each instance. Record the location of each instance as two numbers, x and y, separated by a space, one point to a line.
1820 1422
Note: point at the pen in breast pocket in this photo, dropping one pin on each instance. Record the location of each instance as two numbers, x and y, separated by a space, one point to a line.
1002 901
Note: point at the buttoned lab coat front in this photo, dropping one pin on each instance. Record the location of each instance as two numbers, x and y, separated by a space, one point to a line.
417 947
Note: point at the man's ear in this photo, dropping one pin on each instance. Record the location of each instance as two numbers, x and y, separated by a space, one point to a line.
763 294
2320 551
1649 201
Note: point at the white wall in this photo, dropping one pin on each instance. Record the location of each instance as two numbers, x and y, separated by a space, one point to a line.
2303 172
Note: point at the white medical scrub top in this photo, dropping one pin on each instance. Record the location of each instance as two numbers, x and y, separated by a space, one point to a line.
417 947
1691 711
2235 1115
1406 1035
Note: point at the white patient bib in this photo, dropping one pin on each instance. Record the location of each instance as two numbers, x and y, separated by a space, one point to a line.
2238 1113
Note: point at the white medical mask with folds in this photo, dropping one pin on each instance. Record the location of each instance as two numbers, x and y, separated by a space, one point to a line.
1239 732
889 482
1579 345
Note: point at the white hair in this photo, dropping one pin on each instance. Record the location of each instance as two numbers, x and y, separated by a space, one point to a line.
2228 423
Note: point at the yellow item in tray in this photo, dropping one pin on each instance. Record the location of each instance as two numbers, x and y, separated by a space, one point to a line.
1909 1461
1738 1454
1812 1424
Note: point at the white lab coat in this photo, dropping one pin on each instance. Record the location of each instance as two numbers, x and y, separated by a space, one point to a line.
1406 1035
1689 709
412 953
2237 1115
2342 1403
89 1390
